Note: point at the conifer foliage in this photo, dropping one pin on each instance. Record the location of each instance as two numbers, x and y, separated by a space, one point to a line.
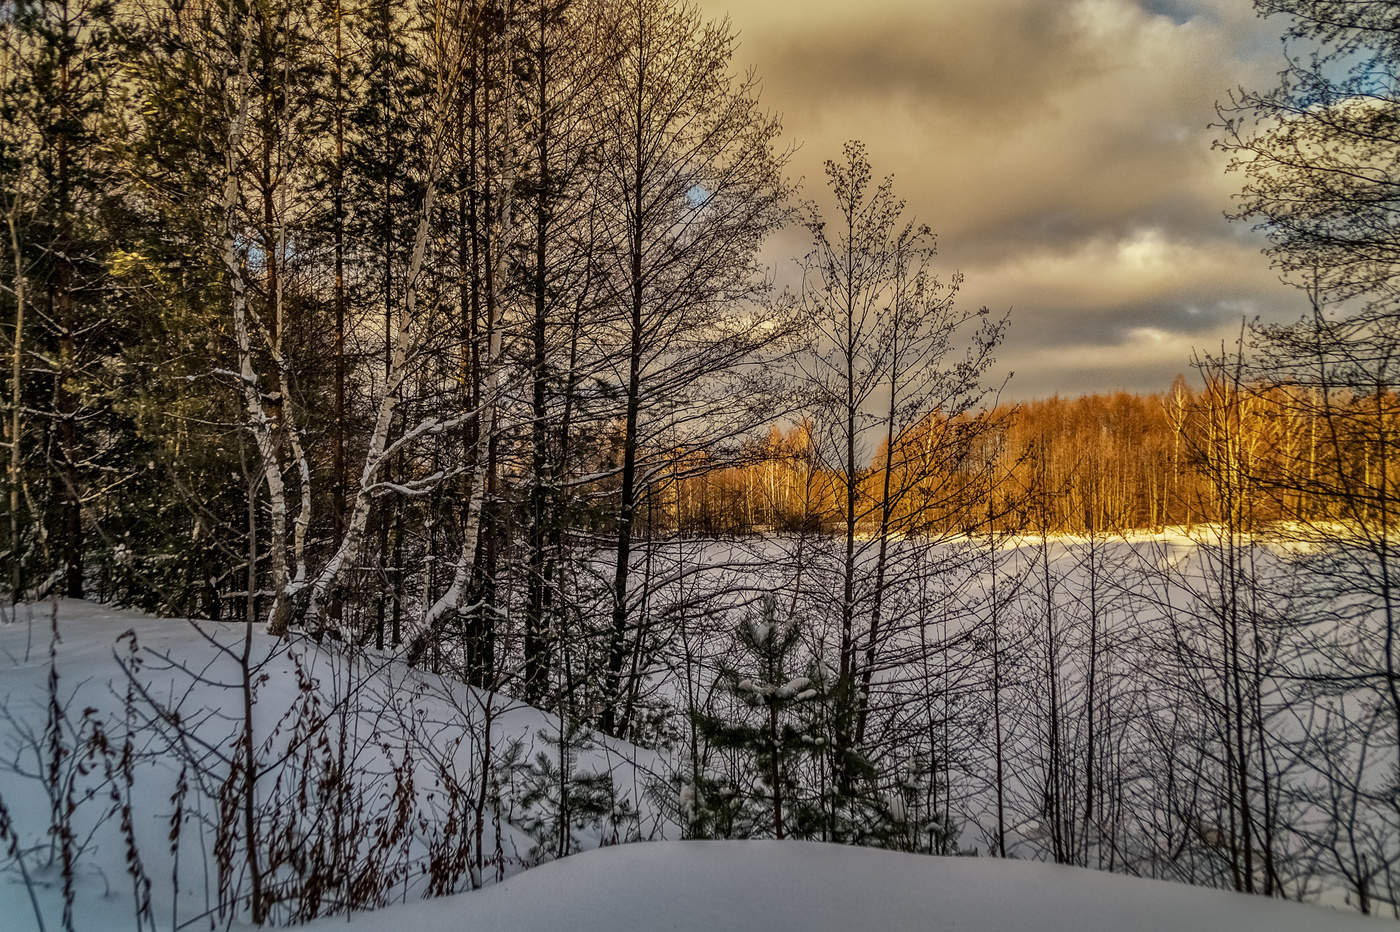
771 728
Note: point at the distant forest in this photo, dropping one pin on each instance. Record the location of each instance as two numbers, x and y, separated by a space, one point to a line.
1096 463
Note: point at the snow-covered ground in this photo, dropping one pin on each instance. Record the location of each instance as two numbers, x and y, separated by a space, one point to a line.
190 668
391 714
767 886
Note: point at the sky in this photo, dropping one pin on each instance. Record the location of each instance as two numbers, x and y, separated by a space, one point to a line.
1061 150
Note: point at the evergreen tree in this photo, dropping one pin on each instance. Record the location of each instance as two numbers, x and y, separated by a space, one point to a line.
57 184
767 731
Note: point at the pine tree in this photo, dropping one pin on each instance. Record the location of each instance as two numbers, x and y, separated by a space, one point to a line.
56 183
767 730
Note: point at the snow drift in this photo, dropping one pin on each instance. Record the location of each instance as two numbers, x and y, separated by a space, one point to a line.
765 886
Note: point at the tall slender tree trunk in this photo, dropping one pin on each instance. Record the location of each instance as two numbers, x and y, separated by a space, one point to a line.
338 235
617 652
259 423
1091 680
386 208
847 672
64 308
882 556
16 459
537 641
627 503
996 686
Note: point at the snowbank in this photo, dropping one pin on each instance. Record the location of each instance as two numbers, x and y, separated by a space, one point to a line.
765 886
408 732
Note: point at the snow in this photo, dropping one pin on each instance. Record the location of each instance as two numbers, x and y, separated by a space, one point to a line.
764 886
652 885
396 708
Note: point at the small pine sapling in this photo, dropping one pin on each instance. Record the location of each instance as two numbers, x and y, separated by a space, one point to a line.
765 730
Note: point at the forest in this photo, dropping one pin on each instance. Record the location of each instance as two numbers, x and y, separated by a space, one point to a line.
447 334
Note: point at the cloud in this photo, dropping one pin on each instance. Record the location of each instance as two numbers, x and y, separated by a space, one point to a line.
1060 148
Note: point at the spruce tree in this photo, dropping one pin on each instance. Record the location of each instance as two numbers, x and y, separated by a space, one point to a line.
56 186
768 731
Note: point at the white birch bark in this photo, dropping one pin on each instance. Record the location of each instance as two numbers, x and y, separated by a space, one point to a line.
259 424
453 600
449 39
289 424
377 453
16 405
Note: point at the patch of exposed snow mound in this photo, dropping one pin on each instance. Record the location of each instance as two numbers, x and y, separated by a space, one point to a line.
767 886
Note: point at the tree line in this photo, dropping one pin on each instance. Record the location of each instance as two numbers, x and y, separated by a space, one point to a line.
1124 461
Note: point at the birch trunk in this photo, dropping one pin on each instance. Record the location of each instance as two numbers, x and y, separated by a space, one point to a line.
379 449
16 403
259 424
453 600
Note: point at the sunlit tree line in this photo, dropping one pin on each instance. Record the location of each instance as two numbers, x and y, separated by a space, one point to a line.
1108 462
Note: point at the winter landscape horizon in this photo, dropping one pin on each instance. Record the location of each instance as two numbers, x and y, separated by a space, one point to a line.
681 464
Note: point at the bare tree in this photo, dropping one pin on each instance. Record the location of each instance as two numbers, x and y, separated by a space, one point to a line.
691 187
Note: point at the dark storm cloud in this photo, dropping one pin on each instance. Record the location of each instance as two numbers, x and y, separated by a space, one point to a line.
1061 149
928 59
1178 11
